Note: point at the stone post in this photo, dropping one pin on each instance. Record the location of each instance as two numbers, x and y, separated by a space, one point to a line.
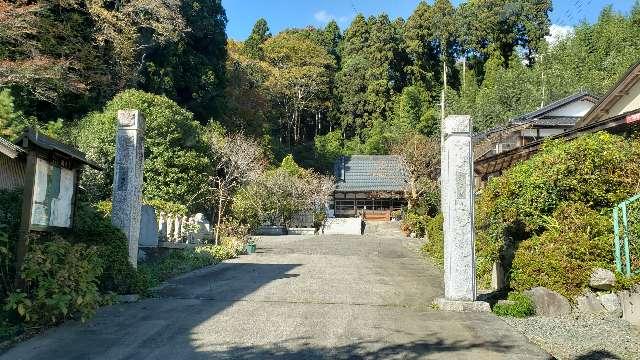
162 226
185 227
127 178
457 197
177 228
169 234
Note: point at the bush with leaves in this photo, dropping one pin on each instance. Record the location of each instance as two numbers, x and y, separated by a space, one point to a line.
279 194
576 241
10 207
521 306
598 170
94 228
415 223
434 244
182 261
61 282
176 163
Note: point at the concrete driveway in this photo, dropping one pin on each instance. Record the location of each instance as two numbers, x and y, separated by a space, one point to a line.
308 297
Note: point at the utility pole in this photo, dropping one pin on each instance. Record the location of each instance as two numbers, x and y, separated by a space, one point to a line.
464 72
543 88
444 90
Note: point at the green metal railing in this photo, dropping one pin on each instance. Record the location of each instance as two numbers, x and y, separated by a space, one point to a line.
627 245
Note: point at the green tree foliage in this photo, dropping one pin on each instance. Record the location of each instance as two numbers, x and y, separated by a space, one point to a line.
597 170
62 59
591 60
413 113
299 82
328 148
369 77
176 164
247 104
12 122
253 44
191 69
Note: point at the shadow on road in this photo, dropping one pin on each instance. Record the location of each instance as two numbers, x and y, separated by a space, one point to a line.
302 348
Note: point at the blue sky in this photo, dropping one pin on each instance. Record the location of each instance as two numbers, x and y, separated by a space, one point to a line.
281 14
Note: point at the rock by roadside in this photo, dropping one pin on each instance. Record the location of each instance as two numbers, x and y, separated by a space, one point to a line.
569 337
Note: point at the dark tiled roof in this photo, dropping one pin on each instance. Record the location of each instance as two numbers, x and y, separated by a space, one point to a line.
552 106
10 149
537 117
567 121
47 143
370 173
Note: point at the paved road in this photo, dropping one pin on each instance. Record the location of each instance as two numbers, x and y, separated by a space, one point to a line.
298 298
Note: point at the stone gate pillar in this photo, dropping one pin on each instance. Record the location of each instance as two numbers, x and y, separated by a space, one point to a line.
127 178
457 197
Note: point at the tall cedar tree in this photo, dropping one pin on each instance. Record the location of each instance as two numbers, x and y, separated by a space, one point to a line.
259 35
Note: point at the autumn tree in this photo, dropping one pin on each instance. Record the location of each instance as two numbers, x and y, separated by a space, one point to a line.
421 156
237 160
299 80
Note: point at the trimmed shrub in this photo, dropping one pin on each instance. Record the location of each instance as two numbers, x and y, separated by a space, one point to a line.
415 223
176 165
94 228
562 258
598 170
522 307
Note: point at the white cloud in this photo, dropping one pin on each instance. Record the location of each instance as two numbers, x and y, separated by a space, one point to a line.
558 32
323 17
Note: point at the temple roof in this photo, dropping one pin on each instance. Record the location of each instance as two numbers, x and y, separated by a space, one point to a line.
369 173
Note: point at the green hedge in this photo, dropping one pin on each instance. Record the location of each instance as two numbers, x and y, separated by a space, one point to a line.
61 282
520 210
562 258
93 227
66 273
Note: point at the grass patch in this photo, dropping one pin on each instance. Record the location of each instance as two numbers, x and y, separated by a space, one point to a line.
178 262
521 307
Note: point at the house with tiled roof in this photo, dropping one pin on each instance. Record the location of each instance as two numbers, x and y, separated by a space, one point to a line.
617 112
551 120
371 186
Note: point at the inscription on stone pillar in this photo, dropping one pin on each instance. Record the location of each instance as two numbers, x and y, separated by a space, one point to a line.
127 178
457 207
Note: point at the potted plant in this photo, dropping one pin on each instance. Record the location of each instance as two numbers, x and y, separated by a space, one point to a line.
251 246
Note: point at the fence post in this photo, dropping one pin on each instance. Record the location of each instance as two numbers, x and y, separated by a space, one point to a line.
625 228
616 239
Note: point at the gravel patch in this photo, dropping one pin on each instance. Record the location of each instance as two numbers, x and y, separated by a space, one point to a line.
572 337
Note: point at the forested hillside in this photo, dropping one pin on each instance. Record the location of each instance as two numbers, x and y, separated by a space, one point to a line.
313 92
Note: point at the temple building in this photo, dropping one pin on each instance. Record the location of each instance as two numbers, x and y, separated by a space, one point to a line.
371 186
